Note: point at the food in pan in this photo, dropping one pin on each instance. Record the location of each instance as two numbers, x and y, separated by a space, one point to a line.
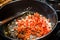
29 27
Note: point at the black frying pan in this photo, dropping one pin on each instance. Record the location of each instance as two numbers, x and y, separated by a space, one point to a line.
16 8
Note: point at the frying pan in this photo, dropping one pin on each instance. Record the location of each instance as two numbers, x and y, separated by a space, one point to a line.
17 8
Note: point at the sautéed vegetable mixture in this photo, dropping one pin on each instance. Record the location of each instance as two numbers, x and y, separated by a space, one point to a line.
29 27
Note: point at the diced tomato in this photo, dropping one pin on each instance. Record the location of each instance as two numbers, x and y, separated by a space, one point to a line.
33 25
36 14
29 16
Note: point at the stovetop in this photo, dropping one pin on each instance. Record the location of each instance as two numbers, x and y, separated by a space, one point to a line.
55 35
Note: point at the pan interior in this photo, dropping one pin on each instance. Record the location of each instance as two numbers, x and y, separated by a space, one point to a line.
10 25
